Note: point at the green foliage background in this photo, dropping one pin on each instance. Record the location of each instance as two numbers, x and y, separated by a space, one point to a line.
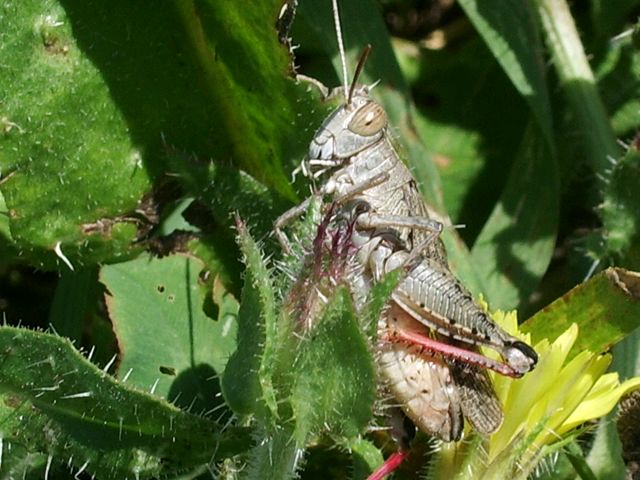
130 135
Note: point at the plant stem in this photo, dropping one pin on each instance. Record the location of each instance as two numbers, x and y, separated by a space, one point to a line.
578 83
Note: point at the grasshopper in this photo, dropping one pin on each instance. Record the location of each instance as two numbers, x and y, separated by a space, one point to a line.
435 392
354 150
430 333
438 381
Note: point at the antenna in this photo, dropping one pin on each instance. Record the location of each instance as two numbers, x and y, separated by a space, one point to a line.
343 58
363 59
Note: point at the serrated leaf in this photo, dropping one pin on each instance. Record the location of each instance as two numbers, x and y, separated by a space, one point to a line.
606 309
334 375
168 345
248 381
65 407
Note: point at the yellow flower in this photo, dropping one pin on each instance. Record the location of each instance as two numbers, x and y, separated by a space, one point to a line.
546 404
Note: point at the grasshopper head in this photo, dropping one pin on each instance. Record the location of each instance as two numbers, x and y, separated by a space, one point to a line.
349 130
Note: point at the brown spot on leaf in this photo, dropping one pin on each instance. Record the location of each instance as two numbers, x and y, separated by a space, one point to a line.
442 161
13 401
102 226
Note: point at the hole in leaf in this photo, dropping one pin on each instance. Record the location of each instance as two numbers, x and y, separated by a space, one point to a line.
168 370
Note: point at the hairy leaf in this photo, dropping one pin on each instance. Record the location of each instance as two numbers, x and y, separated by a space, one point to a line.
62 406
248 381
334 375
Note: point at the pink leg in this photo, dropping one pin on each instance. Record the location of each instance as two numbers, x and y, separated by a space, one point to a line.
389 465
467 356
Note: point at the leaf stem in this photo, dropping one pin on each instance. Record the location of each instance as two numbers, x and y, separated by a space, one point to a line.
577 82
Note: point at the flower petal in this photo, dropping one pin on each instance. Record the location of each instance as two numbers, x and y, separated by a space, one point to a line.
605 396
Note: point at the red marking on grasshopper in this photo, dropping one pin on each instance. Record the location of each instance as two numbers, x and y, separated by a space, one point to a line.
452 351
331 258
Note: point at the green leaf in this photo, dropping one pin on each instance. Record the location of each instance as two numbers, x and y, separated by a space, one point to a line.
577 83
7 249
620 210
88 108
517 241
227 191
606 309
377 299
245 71
18 460
605 457
275 455
516 244
63 406
74 300
220 255
334 386
511 33
248 381
472 131
575 455
609 18
66 137
169 346
366 457
618 78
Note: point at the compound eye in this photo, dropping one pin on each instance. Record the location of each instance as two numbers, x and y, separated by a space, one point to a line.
368 120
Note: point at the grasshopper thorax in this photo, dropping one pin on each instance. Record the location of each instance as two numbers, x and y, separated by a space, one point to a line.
350 129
